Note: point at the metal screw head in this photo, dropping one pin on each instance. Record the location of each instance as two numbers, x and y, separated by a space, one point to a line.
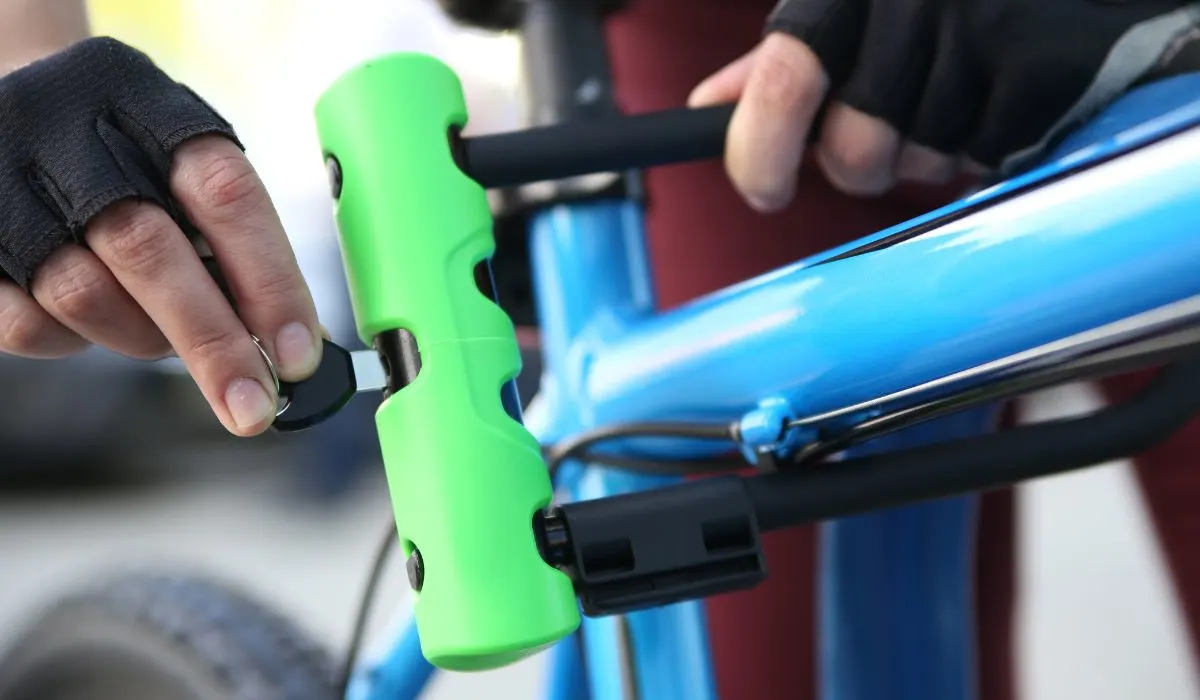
416 570
333 169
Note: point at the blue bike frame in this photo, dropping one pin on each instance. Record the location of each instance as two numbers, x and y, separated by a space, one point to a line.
1104 232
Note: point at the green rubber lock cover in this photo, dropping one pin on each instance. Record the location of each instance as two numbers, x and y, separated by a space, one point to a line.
465 479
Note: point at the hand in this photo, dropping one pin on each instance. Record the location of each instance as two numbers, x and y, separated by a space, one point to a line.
129 279
138 288
923 90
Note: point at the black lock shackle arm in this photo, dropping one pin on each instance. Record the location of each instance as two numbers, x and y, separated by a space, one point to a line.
609 144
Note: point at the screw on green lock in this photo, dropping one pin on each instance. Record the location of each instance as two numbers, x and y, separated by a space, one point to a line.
465 477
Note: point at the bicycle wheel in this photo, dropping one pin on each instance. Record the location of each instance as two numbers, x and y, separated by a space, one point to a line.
150 636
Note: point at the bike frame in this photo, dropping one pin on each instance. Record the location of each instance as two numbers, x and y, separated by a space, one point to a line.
1102 233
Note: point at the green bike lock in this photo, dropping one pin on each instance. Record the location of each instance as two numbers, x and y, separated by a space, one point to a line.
466 479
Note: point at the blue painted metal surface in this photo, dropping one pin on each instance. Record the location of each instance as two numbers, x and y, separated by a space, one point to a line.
591 273
1027 271
400 673
895 613
1070 255
566 677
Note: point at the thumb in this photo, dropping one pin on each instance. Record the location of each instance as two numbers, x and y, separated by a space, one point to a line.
725 85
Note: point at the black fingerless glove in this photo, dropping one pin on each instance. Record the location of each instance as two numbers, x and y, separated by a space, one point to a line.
80 130
997 80
503 15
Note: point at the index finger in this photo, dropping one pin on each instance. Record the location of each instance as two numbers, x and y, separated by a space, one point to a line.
770 125
222 195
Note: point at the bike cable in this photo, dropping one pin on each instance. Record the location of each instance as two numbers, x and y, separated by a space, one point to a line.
365 604
1175 344
582 446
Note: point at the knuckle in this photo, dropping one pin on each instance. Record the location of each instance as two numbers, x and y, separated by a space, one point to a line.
210 346
857 159
77 291
226 185
778 89
23 332
786 80
276 288
139 240
212 351
922 165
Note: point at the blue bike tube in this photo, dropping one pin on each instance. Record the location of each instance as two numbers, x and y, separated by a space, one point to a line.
566 678
402 673
896 590
399 673
590 271
1023 273
887 576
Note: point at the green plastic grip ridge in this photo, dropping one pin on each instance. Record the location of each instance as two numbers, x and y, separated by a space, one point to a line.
465 478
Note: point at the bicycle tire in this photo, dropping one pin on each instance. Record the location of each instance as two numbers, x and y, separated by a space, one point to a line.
155 636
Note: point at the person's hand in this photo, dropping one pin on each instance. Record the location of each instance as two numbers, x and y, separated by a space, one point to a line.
105 163
921 90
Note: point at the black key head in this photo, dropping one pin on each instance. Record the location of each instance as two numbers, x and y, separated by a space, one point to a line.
312 401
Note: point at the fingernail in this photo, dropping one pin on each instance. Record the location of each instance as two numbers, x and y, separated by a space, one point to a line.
248 402
297 351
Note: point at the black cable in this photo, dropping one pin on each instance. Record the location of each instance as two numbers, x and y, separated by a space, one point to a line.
657 467
578 446
874 482
386 547
1155 350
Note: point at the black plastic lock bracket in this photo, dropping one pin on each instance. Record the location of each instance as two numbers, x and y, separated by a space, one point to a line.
657 547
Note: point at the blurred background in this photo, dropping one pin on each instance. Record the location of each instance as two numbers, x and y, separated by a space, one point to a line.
141 474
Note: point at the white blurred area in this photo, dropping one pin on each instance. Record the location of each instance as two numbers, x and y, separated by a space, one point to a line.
1097 619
